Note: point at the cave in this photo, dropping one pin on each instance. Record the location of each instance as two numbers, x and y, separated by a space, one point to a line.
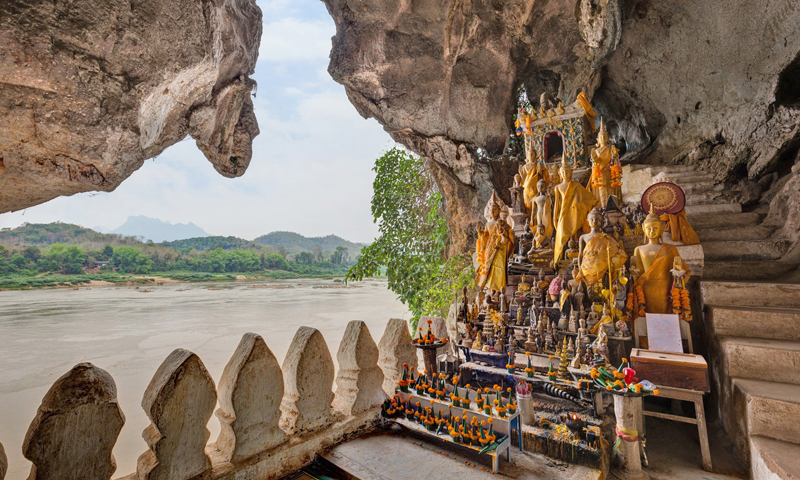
787 92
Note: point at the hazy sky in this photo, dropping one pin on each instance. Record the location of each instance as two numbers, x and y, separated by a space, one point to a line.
311 168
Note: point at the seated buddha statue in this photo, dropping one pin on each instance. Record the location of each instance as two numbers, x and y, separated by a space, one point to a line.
540 250
598 252
655 260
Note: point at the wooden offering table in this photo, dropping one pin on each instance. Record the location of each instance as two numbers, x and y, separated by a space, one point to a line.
682 377
501 426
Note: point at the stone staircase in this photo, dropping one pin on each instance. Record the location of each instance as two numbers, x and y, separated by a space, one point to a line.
753 325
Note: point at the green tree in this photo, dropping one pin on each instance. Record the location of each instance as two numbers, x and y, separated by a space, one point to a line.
340 256
32 253
108 252
275 261
131 260
413 236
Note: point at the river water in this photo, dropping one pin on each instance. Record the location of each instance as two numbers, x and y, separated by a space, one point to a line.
129 331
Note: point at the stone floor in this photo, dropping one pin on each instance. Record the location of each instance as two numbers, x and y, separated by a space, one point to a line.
398 454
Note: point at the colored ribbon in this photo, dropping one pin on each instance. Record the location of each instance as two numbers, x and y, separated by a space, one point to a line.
629 435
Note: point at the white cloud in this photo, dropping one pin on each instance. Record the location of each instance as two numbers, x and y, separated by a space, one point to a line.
290 40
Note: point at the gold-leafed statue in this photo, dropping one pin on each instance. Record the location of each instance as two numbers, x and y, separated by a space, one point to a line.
497 245
655 259
573 202
598 252
531 173
606 176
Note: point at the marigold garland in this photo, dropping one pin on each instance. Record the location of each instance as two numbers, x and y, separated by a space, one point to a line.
681 304
640 301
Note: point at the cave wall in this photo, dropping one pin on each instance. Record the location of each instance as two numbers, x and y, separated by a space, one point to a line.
91 89
715 84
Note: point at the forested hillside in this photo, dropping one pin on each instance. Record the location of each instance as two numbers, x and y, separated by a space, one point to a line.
41 254
294 243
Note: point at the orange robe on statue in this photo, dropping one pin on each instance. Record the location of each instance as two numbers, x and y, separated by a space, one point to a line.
680 229
499 246
569 213
656 282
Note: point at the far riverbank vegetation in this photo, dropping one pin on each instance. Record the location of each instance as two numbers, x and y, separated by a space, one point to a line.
59 254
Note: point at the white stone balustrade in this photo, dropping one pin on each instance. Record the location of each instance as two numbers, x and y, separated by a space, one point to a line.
274 419
395 349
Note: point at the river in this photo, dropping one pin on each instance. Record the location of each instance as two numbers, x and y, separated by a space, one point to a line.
129 331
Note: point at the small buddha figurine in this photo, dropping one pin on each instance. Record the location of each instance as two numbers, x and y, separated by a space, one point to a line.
530 342
542 209
606 173
573 325
503 301
592 318
583 333
571 252
572 203
656 260
520 314
570 349
600 346
562 322
577 360
627 232
499 347
477 344
540 325
523 287
605 320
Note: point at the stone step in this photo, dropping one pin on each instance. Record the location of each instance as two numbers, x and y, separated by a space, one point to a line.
772 410
707 198
754 322
746 249
773 459
751 294
719 208
701 187
675 168
744 270
716 221
688 177
751 232
762 359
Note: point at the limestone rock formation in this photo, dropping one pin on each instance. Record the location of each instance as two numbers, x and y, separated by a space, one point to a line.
250 394
179 402
75 428
308 380
394 350
682 81
359 383
89 90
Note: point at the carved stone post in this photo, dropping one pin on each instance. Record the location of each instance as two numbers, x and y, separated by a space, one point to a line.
75 428
628 409
250 394
395 349
308 380
3 463
359 384
179 402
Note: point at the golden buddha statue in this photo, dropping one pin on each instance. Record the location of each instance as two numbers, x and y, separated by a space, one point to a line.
541 248
655 259
498 244
598 252
606 176
530 174
573 202
524 286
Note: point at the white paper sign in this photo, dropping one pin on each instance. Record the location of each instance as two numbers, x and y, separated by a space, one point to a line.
664 333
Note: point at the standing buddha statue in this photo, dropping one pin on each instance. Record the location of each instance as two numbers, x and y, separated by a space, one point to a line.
656 261
531 173
542 209
573 202
498 246
606 176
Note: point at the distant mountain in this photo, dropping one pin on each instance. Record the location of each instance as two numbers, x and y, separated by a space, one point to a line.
159 230
294 243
